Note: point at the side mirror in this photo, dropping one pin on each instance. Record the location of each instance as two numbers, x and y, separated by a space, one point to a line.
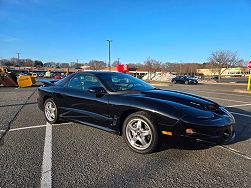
97 90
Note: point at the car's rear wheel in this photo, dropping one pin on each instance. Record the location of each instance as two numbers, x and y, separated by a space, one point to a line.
140 133
186 82
50 111
174 82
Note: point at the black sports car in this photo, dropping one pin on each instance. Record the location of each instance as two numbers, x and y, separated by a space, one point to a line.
184 80
122 104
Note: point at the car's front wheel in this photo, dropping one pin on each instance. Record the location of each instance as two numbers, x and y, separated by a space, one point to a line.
186 82
50 111
140 133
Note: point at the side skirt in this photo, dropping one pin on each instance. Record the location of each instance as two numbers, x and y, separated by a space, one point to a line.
95 126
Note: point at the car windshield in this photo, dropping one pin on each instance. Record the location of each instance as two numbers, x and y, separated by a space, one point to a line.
123 82
63 80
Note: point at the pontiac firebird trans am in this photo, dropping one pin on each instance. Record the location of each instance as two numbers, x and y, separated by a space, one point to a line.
122 104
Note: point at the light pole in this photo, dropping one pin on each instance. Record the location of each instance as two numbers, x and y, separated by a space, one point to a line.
180 66
18 57
109 46
118 61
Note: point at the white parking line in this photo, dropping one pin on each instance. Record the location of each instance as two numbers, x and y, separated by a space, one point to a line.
235 152
239 105
206 91
241 114
23 128
226 99
46 178
36 126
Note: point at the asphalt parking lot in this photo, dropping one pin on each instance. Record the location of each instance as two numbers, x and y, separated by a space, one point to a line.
36 154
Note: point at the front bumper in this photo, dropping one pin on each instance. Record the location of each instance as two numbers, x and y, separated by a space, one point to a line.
214 135
207 134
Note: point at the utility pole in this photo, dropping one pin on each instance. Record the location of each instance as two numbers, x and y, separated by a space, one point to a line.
180 66
109 48
118 61
18 57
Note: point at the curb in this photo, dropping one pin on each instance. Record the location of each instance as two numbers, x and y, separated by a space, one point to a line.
226 83
242 91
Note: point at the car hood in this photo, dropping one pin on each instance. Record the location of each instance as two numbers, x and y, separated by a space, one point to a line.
185 107
182 98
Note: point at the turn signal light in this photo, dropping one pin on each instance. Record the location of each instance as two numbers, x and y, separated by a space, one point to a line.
189 131
167 133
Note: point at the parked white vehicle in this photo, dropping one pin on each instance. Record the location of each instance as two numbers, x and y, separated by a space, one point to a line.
34 75
47 74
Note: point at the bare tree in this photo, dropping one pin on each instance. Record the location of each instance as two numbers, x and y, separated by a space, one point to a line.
152 65
135 65
38 63
223 60
50 64
6 62
189 68
64 65
114 64
97 65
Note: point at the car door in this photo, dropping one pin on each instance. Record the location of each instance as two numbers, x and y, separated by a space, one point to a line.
84 106
182 79
178 79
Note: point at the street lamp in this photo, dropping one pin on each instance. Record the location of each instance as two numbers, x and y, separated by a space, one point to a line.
180 66
109 45
18 54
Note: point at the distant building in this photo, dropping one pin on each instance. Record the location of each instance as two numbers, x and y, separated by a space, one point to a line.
235 72
230 72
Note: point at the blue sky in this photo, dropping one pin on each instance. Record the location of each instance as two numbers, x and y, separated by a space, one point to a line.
166 30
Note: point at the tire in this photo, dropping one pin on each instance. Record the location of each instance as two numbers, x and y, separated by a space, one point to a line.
186 82
139 133
174 82
51 111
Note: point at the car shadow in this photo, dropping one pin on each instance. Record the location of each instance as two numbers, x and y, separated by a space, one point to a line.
182 143
242 126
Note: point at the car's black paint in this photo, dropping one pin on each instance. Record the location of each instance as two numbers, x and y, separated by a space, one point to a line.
172 110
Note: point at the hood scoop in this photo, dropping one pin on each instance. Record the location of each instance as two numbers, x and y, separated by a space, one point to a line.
182 98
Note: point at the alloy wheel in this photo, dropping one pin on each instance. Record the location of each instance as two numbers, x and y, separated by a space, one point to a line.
138 134
50 111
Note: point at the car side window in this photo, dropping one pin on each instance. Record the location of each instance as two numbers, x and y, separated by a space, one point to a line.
77 82
90 81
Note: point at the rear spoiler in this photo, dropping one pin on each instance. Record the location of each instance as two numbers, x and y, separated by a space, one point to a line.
48 82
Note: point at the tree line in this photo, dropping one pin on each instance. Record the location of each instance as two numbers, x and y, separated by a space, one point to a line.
216 60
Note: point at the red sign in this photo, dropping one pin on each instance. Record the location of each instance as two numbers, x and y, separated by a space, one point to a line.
122 68
249 64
